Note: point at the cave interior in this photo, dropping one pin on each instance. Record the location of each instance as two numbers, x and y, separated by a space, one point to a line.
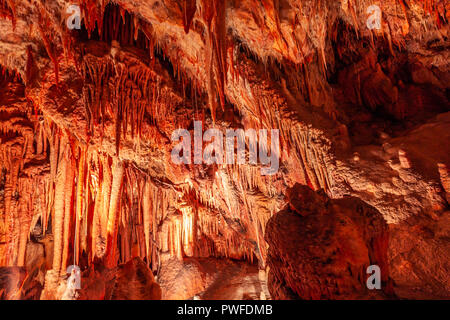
92 92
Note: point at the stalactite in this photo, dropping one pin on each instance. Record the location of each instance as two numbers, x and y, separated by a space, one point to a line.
188 231
176 234
29 72
58 221
50 51
89 193
272 8
132 89
93 14
113 219
213 13
79 199
23 238
147 216
106 195
125 250
189 9
130 215
68 210
155 245
96 230
13 167
220 44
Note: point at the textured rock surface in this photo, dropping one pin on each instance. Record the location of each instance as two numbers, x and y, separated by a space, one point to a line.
17 284
321 248
86 118
419 255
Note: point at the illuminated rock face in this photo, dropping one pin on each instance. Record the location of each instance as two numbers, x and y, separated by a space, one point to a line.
87 116
321 248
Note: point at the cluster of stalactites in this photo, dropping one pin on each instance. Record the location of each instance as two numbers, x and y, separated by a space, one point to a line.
8 10
125 93
218 239
100 207
61 195
22 153
307 146
237 193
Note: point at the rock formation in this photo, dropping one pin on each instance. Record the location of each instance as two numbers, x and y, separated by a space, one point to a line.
321 248
91 93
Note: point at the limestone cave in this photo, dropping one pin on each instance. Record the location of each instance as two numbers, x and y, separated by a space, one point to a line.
224 149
